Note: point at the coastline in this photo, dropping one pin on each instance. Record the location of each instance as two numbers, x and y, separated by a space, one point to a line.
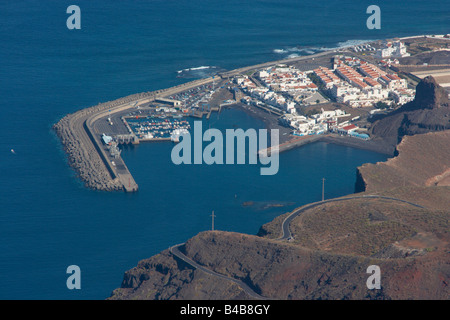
84 149
86 155
64 204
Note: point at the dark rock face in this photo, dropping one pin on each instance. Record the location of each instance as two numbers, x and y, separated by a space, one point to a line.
360 184
429 95
429 111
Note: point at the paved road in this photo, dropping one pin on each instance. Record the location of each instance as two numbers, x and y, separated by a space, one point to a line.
286 233
175 251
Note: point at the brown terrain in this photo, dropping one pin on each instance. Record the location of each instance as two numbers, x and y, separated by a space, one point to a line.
399 221
423 160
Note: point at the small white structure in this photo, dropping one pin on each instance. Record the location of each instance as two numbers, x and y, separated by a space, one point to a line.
106 139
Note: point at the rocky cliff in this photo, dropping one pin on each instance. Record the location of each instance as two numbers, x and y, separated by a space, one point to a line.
429 111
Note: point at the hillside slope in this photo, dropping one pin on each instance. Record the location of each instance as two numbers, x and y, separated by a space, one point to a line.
422 160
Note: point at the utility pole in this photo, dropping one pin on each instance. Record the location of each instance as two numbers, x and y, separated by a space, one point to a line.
212 217
323 189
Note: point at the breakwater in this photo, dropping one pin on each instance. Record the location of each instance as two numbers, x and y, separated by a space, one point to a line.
370 145
84 148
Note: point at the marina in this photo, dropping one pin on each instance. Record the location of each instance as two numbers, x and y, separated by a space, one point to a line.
157 128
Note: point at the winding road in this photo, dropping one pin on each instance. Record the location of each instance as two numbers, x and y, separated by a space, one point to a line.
286 235
175 251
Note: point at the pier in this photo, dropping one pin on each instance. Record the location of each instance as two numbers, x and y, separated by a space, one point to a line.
127 139
293 143
81 132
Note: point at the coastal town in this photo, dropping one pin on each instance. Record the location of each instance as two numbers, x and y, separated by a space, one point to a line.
351 81
360 77
328 95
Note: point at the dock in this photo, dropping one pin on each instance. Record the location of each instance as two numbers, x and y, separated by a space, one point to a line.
293 143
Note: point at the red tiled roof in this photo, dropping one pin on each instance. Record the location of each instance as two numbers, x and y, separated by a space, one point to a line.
349 127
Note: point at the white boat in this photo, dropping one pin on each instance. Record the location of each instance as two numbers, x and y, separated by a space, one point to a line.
175 136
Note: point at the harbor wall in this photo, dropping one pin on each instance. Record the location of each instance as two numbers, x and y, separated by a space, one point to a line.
86 156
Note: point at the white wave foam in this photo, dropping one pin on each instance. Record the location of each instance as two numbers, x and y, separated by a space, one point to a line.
293 52
196 68
351 43
345 44
308 51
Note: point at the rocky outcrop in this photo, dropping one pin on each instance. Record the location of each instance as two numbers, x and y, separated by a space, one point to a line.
163 277
360 184
428 112
429 95
420 163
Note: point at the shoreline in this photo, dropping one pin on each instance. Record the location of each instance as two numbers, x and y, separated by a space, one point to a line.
295 142
84 149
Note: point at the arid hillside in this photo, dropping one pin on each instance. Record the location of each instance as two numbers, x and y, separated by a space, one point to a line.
422 160
327 256
325 263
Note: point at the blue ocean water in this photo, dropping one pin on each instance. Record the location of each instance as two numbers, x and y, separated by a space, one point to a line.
49 221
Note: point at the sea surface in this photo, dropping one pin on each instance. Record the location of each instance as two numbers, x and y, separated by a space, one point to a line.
49 220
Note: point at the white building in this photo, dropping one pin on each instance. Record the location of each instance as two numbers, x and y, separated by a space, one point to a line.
344 92
395 49
263 74
402 96
393 81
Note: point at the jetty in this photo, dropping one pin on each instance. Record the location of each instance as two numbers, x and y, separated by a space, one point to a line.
89 156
